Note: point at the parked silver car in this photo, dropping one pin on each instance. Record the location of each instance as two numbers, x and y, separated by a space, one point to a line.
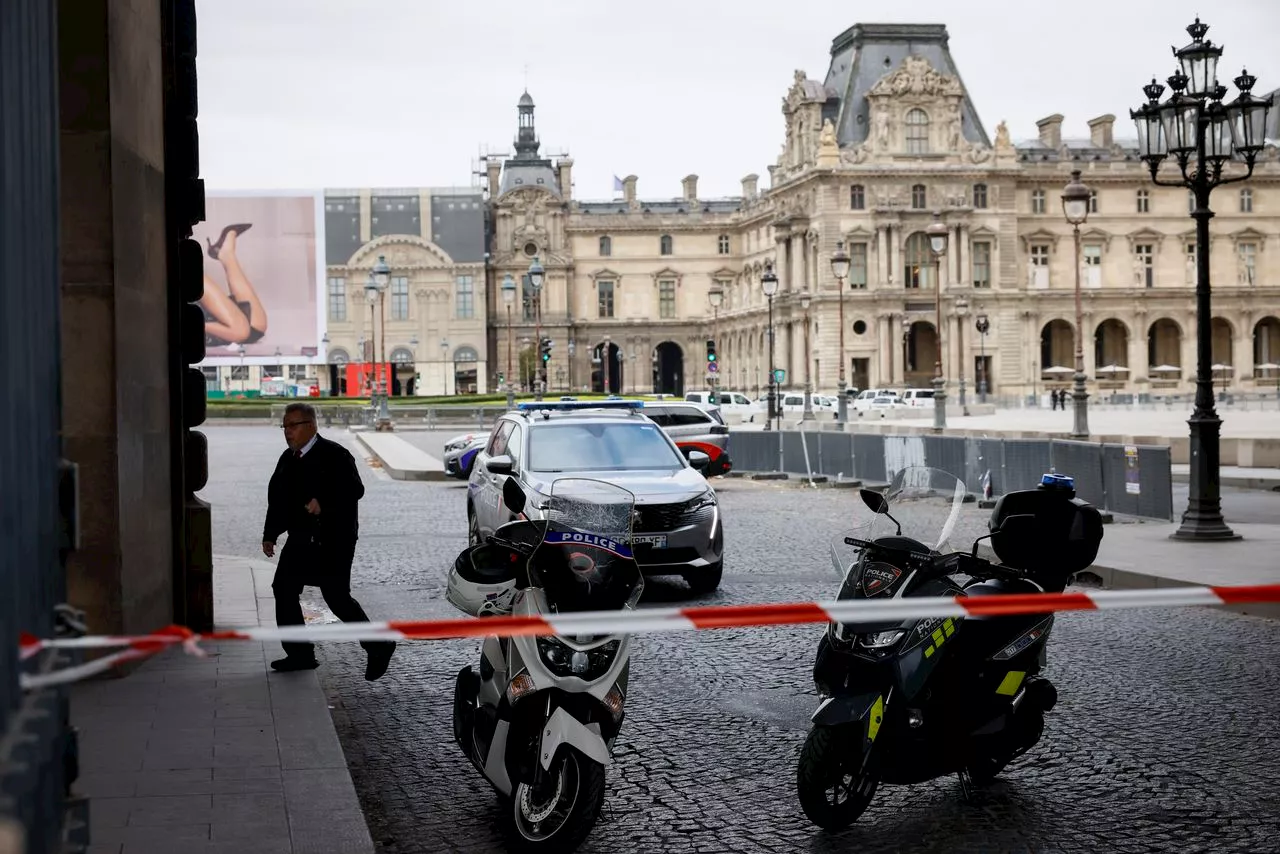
676 529
460 454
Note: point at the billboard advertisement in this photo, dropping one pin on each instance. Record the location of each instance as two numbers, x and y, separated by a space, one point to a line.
262 277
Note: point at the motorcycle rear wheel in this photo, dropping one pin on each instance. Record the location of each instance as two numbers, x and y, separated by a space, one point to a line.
832 794
558 815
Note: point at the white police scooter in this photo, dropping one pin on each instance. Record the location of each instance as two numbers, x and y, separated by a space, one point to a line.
540 716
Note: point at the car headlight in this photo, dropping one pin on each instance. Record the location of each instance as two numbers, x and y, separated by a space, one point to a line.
706 499
563 660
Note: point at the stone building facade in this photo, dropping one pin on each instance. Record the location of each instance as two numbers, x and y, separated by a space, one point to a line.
871 154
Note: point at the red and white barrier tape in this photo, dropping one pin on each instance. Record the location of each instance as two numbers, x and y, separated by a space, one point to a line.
652 620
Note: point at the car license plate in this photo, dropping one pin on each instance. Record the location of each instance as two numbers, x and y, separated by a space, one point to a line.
658 541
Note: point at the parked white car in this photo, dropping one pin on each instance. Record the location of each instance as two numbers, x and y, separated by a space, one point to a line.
730 403
863 401
918 398
823 406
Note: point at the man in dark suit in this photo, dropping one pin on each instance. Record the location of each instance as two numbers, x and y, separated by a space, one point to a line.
313 495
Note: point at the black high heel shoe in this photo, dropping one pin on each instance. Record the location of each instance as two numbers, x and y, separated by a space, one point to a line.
239 228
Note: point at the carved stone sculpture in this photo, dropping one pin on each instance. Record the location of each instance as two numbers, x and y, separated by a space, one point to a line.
1003 143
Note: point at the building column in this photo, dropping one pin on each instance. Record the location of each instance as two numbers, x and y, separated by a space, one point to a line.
1138 352
963 273
1242 351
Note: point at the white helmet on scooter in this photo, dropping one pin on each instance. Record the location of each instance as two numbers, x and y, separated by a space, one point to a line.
482 582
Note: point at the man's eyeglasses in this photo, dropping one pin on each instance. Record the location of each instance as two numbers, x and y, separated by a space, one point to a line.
289 424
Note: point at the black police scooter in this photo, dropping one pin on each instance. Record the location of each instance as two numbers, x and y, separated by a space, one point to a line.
908 701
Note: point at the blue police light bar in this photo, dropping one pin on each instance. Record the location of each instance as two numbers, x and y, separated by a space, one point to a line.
569 406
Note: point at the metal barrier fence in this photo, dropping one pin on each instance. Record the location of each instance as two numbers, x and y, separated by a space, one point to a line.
1133 480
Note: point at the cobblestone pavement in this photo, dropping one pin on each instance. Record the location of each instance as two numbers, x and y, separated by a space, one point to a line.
1165 737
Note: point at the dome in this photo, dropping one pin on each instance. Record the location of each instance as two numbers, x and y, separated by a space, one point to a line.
525 100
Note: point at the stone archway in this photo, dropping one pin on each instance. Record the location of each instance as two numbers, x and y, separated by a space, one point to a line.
1057 346
922 353
606 363
668 368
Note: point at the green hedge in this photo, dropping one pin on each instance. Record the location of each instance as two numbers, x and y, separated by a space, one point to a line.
264 404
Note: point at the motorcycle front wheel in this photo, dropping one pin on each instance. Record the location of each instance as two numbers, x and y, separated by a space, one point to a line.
833 790
557 814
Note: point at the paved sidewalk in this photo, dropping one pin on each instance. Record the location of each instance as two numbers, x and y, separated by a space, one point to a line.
1240 477
217 755
1141 555
400 459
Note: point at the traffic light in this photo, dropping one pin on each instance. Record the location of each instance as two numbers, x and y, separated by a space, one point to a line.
711 351
546 349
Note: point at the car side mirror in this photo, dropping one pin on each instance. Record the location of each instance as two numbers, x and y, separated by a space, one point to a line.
512 495
501 464
699 460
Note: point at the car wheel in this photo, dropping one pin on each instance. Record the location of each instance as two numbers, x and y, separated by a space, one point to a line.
473 528
706 579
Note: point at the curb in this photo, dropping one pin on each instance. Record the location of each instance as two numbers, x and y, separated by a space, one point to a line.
417 474
1124 579
1262 484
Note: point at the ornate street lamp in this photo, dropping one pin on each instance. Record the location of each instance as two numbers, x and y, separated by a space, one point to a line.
840 267
375 291
1075 206
1202 134
808 360
536 274
715 296
937 232
962 312
769 284
983 325
509 299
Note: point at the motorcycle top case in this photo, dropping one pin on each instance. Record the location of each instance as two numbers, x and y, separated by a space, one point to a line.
1044 532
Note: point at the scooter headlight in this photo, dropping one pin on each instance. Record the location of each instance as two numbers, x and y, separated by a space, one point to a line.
563 660
881 640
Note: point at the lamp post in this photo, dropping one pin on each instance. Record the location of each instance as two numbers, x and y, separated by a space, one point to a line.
604 365
633 370
962 311
509 299
375 293
769 284
840 267
444 366
715 296
937 232
535 281
1203 135
572 348
244 373
621 359
808 361
1075 206
906 342
983 325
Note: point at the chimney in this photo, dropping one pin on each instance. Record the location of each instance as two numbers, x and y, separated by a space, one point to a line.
629 189
1051 130
773 174
494 168
566 177
1100 130
750 186
690 184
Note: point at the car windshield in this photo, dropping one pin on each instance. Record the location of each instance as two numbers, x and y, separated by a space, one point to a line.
600 446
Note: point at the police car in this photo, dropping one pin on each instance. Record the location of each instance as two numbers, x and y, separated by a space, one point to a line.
676 528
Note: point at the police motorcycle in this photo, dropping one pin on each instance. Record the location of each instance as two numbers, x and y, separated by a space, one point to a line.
539 717
905 701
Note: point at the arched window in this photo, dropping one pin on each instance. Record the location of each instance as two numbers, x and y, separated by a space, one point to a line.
465 375
338 356
919 268
917 131
606 246
664 244
466 354
401 356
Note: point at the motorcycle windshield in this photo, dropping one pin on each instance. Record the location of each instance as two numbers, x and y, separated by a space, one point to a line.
584 561
926 502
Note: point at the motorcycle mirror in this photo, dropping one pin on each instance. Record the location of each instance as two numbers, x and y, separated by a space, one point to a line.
874 500
513 496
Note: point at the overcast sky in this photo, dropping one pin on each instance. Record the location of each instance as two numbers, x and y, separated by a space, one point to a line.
406 93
